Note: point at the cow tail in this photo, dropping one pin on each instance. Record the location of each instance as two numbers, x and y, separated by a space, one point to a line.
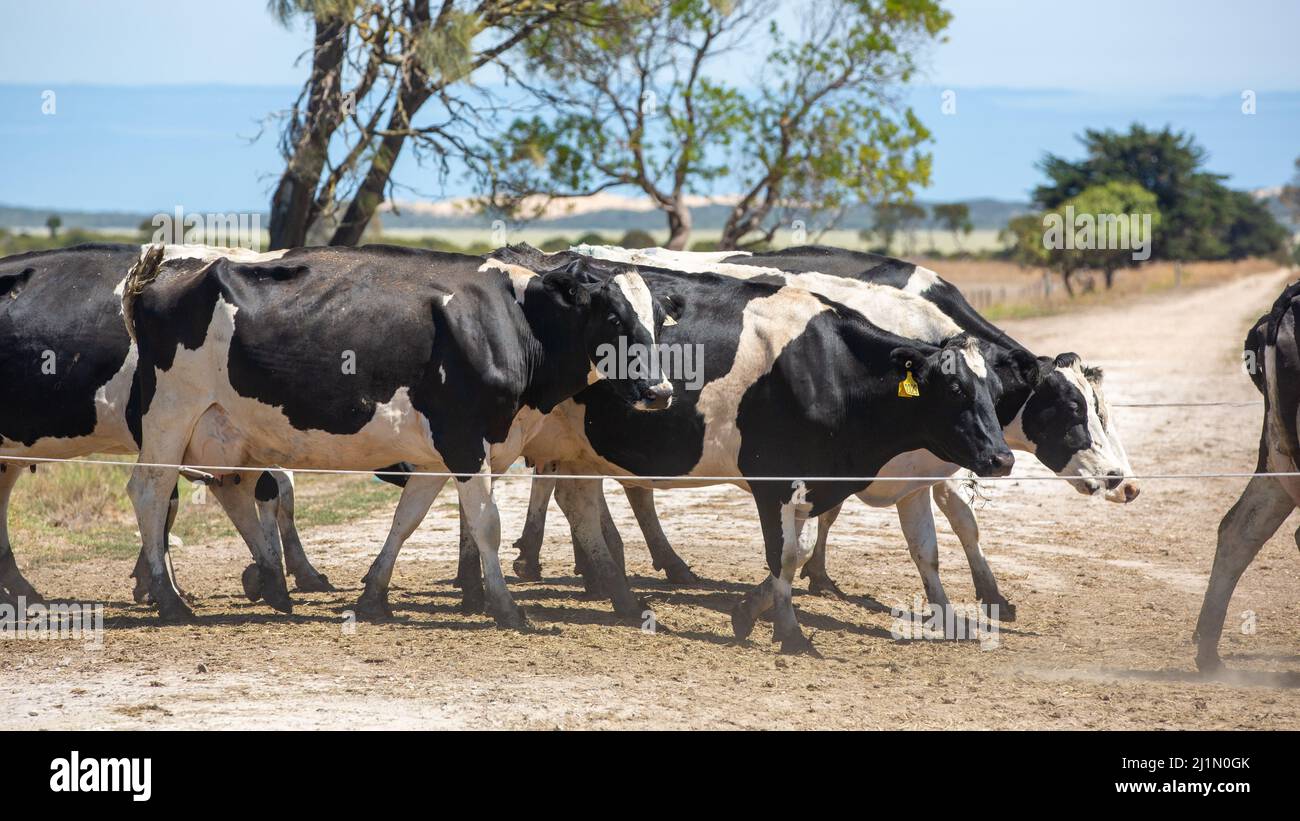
142 273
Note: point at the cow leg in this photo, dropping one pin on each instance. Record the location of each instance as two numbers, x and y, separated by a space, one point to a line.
819 581
1253 520
150 489
280 506
947 495
143 578
469 572
783 523
484 523
642 500
417 496
12 583
917 519
581 500
260 531
528 567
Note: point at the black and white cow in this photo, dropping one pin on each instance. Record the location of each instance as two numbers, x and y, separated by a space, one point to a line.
1272 353
67 366
794 385
1058 413
359 359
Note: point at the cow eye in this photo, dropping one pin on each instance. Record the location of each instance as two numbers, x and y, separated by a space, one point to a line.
613 320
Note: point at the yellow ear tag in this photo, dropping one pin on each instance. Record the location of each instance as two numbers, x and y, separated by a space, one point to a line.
908 389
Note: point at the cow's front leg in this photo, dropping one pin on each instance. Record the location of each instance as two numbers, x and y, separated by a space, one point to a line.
642 500
783 516
12 583
958 512
795 550
484 524
917 520
279 504
150 489
528 566
238 497
819 581
581 501
417 496
1253 520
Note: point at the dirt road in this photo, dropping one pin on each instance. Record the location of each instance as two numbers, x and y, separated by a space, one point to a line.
1107 597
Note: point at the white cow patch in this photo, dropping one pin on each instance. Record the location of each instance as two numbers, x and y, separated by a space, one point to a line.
638 296
519 275
921 280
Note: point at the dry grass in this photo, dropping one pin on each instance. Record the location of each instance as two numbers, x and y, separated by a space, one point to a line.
75 511
1002 290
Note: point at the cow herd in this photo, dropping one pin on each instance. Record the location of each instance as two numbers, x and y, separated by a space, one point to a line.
816 374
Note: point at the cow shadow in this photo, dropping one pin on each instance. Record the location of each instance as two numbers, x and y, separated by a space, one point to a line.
1285 679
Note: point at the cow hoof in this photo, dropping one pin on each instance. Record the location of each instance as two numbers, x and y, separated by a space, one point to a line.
799 645
275 592
511 619
825 586
1209 662
527 570
373 607
312 583
251 579
140 593
680 573
1006 610
742 623
472 600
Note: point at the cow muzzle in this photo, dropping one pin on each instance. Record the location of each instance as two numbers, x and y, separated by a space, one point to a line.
656 397
1120 489
999 463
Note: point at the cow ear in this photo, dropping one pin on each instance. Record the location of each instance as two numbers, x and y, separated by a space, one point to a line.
1026 364
566 288
907 358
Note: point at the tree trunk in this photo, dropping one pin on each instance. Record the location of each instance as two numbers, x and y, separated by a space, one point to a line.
370 194
679 226
1110 277
292 203
1069 284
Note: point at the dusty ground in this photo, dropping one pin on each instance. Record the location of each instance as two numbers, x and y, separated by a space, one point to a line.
1107 597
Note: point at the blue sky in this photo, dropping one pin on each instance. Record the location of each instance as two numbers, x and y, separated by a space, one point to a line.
159 102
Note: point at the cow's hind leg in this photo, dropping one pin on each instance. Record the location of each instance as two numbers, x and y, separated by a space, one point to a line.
150 489
484 523
469 570
528 566
1256 516
642 500
819 581
917 519
143 578
238 496
278 502
417 496
947 495
12 583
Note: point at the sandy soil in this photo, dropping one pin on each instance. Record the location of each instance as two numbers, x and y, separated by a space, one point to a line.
1107 597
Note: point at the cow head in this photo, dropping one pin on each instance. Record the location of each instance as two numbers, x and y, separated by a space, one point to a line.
955 397
617 324
1068 425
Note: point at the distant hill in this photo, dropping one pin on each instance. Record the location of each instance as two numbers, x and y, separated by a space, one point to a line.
608 214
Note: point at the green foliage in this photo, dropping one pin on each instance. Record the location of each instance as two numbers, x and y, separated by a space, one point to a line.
592 238
954 218
54 223
889 218
1202 218
819 125
555 244
636 238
